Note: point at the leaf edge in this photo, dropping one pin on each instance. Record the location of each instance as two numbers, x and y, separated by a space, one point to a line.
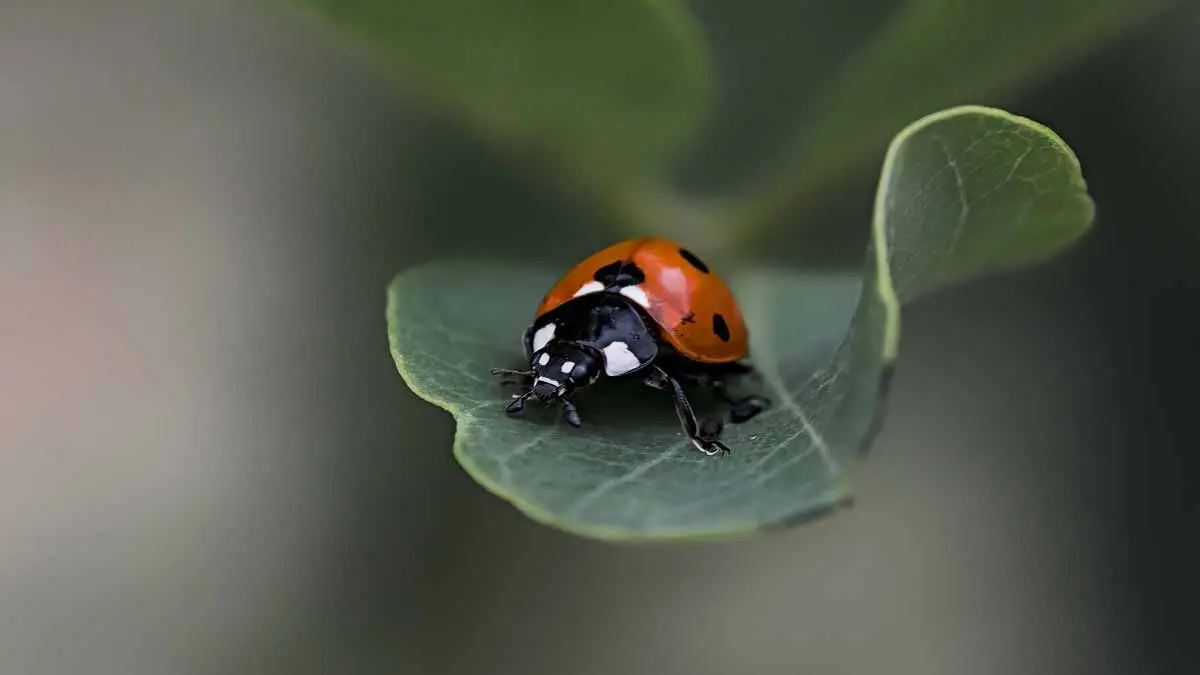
913 128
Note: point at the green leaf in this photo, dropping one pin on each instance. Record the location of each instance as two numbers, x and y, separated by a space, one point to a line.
974 190
931 54
611 86
962 193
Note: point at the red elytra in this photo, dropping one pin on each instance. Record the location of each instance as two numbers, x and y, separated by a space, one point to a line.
692 304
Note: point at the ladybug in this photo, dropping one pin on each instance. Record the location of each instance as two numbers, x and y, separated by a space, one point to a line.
647 308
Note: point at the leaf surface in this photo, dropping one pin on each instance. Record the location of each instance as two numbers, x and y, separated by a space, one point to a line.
962 193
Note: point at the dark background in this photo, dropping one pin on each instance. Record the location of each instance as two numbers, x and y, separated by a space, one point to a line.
208 463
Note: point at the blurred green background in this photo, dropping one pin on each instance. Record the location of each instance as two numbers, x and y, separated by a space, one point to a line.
208 463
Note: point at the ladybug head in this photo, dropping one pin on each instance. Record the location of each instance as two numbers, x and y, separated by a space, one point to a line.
558 370
562 368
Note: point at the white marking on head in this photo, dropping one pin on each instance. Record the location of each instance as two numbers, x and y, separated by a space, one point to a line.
543 359
548 381
589 287
636 294
618 360
543 336
568 366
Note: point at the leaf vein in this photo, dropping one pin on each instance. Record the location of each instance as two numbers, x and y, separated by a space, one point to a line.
769 366
628 477
502 464
964 206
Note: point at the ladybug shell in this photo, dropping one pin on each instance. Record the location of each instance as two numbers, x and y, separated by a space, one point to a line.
693 307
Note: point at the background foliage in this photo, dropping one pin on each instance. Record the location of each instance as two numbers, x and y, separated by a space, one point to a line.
201 471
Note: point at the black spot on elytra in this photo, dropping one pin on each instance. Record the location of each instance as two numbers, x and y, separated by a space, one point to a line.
695 262
720 327
620 273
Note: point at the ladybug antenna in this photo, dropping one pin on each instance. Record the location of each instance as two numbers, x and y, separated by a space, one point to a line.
507 371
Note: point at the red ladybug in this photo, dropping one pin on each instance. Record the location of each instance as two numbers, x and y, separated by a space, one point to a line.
644 307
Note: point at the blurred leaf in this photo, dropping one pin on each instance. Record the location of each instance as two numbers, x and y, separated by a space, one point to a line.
772 60
932 54
611 86
954 186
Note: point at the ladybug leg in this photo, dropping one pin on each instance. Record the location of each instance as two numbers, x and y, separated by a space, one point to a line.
747 408
518 402
741 409
702 435
527 341
655 381
571 413
711 428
